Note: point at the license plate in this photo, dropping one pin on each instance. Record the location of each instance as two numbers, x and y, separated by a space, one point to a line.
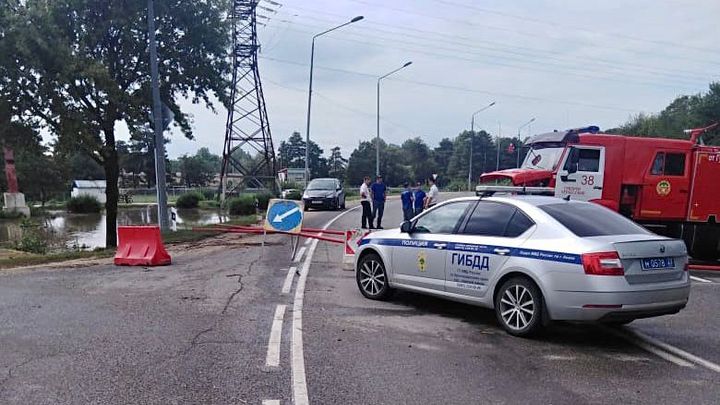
655 263
317 202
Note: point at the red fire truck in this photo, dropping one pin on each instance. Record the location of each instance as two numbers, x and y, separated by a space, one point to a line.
669 185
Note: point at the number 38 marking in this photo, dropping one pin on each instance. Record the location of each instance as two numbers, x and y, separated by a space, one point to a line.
588 180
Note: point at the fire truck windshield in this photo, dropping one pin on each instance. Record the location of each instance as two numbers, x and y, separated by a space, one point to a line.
543 156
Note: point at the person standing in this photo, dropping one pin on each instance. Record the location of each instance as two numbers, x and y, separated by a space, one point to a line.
379 193
433 195
367 217
407 202
419 198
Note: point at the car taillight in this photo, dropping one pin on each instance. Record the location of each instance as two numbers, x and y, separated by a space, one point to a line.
686 267
603 264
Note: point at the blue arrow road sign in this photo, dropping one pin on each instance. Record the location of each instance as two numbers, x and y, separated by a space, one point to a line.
284 216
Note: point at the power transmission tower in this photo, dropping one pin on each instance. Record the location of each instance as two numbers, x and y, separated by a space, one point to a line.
248 155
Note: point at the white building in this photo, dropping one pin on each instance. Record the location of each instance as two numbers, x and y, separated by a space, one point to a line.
93 188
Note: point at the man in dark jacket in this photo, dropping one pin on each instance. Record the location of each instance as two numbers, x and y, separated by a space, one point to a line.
407 202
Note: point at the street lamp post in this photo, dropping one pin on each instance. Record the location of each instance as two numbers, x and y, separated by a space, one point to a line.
377 137
472 136
307 128
518 137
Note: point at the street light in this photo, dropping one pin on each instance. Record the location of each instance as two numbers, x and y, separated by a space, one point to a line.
472 136
377 138
307 129
518 137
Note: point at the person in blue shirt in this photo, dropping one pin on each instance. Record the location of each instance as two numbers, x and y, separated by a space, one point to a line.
418 198
379 194
407 202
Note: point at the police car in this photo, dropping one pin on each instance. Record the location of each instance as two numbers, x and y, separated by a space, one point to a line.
532 258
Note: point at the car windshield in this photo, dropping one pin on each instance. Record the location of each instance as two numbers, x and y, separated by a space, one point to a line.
543 157
589 219
322 184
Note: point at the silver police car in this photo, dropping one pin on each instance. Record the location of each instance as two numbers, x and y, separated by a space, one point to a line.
532 258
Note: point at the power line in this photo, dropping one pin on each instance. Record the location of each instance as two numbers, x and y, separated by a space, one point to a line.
453 37
576 28
461 89
564 64
565 69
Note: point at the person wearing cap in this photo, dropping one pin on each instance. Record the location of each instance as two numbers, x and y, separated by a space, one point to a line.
379 194
407 202
418 198
367 217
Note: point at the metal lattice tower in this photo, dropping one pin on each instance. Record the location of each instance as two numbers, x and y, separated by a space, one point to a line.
247 129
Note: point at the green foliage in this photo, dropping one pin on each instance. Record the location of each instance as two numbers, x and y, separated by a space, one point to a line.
291 153
210 194
685 112
243 205
77 67
200 169
33 238
84 204
263 199
294 195
457 185
189 200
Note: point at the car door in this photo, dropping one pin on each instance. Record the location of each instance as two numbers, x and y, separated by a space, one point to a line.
666 188
482 245
419 256
581 176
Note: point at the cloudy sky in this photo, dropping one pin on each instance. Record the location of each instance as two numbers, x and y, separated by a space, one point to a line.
565 63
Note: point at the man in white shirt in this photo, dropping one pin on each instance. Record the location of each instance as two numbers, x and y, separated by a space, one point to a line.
365 199
432 195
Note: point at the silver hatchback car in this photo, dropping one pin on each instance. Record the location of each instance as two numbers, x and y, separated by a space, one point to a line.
533 259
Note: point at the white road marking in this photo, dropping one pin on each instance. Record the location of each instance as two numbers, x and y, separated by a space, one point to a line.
271 402
299 379
307 241
288 280
637 341
299 255
273 352
702 280
679 352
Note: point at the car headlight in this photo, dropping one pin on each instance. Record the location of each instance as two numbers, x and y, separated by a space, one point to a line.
305 196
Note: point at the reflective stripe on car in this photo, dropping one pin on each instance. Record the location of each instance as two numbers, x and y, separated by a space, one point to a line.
545 255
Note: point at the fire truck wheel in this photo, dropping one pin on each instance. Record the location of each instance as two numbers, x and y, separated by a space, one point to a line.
705 245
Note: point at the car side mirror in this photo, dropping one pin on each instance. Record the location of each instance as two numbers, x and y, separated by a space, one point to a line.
406 227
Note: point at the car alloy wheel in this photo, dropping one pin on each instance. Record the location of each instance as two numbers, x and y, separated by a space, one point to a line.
519 307
372 278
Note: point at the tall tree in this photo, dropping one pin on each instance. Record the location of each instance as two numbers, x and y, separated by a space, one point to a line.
337 163
86 68
418 157
291 154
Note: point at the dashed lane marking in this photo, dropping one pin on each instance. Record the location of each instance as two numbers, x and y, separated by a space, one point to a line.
299 255
288 280
271 402
273 351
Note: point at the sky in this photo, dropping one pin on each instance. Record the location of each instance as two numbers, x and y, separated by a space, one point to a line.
565 63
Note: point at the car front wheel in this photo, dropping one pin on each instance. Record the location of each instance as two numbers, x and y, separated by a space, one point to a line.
372 277
519 307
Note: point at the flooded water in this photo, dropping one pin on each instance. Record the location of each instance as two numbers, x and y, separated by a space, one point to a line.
87 231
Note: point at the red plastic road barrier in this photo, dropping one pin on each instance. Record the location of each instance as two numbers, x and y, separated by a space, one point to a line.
140 246
703 267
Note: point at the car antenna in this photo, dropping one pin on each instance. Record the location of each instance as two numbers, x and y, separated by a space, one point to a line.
567 197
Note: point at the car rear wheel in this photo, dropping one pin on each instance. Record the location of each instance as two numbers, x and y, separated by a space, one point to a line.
519 307
372 278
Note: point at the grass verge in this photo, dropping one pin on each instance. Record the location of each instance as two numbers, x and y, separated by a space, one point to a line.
12 258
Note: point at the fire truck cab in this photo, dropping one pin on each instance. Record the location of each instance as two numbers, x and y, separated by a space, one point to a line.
665 184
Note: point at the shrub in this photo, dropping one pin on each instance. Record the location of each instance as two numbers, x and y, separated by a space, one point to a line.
33 239
294 195
189 200
263 199
457 185
209 194
243 205
85 204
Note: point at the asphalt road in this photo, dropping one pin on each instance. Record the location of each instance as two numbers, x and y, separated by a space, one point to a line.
233 323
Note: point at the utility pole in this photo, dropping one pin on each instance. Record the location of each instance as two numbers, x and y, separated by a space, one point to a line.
163 219
472 136
497 161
